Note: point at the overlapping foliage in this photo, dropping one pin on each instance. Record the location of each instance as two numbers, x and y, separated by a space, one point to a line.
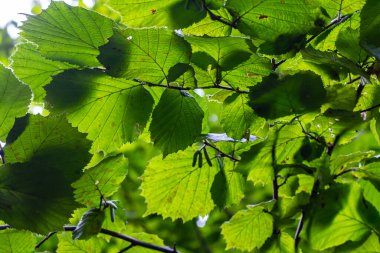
291 165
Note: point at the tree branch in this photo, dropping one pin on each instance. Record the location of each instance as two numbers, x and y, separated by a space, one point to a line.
220 19
222 154
299 229
45 239
370 108
344 172
216 86
133 241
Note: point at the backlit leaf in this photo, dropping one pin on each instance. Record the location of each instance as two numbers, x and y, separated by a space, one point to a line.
70 34
173 188
14 100
248 229
105 176
110 110
176 121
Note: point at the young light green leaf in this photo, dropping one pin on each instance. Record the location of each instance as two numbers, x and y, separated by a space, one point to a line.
67 245
176 121
146 54
41 165
209 27
148 13
110 110
173 188
35 70
279 23
281 242
69 34
278 97
105 176
17 241
248 229
14 100
89 225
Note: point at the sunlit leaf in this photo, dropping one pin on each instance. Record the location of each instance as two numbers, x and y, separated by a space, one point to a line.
175 189
146 54
110 110
104 177
70 34
248 229
17 241
35 70
14 100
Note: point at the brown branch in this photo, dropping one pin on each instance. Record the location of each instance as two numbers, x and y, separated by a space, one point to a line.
133 241
130 239
299 229
222 154
370 108
45 239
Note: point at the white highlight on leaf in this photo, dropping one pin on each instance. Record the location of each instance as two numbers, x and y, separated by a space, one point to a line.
201 222
129 38
200 92
213 118
36 109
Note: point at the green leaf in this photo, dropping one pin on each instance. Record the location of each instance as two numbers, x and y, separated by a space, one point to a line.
281 243
340 97
277 97
105 176
369 97
146 54
173 188
228 186
176 121
35 70
347 44
369 26
258 161
67 245
370 193
171 13
89 225
248 229
339 217
209 27
331 64
17 241
345 6
70 34
342 162
237 116
41 165
14 100
110 110
279 23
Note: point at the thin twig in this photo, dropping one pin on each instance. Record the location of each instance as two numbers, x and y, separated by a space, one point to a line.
45 239
370 108
216 86
219 18
222 154
344 172
127 248
129 239
299 229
